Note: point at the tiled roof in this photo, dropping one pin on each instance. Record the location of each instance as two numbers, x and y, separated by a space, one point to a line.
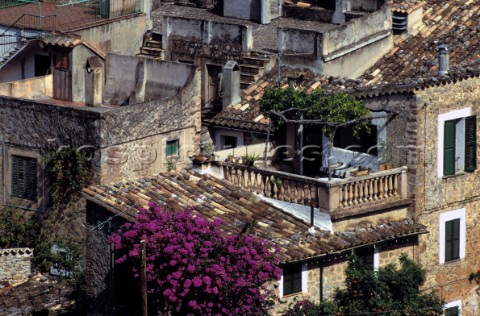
453 22
247 115
405 6
216 198
69 41
36 296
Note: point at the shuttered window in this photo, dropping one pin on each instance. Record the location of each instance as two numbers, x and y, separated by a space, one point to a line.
292 279
452 311
452 240
24 177
454 158
172 147
470 143
449 147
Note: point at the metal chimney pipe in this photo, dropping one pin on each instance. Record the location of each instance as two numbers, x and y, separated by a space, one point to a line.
443 60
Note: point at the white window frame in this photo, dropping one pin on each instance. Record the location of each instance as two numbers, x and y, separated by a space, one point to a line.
453 304
376 258
452 115
304 282
448 216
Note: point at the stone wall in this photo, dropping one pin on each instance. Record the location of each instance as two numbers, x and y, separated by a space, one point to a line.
15 264
437 195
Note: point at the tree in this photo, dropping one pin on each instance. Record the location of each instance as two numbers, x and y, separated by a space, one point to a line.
194 269
389 291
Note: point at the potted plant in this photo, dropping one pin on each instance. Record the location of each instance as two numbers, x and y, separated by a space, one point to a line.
230 159
249 159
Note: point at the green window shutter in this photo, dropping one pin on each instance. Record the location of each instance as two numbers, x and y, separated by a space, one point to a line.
172 148
292 279
24 177
449 147
471 143
452 311
452 240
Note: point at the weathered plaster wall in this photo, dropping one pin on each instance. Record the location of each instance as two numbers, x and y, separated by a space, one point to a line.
438 195
79 60
243 9
353 64
213 40
132 80
13 69
122 35
357 31
37 88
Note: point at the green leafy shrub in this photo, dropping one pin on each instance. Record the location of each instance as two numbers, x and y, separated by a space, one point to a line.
17 229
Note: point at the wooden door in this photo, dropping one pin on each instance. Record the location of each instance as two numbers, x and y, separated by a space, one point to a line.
62 75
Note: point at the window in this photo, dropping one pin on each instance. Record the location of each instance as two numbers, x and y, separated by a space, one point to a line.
24 177
453 308
452 235
229 142
457 142
364 142
294 279
172 148
369 256
452 239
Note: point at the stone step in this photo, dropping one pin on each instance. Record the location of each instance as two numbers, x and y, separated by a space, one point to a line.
258 61
248 77
152 51
154 44
244 85
250 69
149 56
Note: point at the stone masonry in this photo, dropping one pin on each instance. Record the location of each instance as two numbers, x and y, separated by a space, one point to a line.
15 264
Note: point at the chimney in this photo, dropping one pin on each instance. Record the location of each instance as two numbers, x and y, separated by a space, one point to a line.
443 60
231 83
93 81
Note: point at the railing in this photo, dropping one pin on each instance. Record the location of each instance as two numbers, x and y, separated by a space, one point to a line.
15 34
337 194
107 9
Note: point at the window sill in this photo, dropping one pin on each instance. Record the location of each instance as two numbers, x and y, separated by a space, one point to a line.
293 294
452 261
458 173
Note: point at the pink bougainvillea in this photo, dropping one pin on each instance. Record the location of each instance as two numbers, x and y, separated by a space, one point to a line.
194 269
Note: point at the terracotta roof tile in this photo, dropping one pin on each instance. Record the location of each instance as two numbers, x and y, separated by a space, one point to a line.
455 23
216 198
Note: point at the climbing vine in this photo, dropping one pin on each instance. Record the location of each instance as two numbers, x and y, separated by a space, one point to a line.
68 173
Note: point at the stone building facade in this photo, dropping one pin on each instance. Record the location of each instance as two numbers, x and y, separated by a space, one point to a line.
444 198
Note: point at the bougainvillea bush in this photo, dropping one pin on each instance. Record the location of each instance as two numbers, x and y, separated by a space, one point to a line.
194 269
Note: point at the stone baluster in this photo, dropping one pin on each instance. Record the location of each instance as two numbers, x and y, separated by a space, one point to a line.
395 184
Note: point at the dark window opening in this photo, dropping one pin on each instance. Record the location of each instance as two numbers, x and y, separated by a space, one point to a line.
292 279
366 255
399 22
364 142
229 142
452 311
172 148
452 240
42 65
24 177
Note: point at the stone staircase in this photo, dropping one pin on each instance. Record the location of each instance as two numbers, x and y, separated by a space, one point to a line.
252 67
152 46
